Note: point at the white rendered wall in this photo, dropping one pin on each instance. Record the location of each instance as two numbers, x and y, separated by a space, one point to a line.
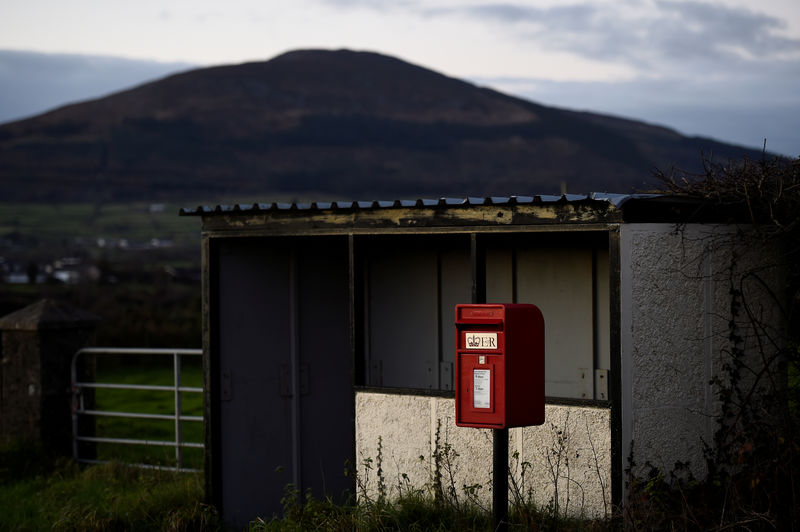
572 448
675 307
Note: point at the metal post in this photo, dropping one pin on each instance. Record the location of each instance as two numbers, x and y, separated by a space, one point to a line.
499 436
478 259
176 367
500 479
74 406
294 355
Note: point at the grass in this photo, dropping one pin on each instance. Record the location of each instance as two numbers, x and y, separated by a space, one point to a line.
415 510
38 492
43 492
159 372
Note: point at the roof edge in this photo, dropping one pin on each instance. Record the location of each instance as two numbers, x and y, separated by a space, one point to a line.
617 200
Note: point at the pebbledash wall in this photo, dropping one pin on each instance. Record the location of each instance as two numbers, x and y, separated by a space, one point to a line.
675 301
572 448
328 338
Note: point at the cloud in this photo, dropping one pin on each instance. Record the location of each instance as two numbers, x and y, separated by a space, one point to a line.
696 31
377 5
653 37
727 27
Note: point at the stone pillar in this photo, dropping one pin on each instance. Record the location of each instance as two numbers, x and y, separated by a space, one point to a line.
36 347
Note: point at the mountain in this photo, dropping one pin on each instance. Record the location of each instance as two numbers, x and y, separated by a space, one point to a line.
334 124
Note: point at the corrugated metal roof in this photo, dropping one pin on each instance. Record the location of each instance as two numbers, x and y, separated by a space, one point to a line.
615 199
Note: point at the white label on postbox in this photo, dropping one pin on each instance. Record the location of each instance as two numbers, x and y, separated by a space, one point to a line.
479 340
481 388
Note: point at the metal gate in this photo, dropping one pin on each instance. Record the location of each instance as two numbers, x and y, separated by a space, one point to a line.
79 406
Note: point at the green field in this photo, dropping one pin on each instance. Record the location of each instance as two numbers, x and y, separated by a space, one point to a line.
158 371
72 225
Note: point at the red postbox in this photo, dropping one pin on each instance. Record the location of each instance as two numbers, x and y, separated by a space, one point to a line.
499 365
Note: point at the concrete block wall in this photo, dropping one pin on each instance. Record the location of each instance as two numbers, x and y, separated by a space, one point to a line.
569 456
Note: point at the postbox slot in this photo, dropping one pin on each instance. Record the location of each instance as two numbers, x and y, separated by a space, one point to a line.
484 314
487 322
481 325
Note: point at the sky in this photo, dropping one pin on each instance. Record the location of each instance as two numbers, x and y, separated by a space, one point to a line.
728 69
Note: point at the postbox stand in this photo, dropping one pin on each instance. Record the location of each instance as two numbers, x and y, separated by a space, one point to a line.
500 479
499 377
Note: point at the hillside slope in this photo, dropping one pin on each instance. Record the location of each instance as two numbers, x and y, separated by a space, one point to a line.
314 123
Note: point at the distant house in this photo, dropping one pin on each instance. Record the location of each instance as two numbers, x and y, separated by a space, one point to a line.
329 328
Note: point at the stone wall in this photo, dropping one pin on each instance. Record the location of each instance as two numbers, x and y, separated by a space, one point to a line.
36 347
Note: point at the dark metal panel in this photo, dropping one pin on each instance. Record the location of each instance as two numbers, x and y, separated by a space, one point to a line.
478 265
357 309
455 283
327 406
601 307
210 313
254 419
559 281
295 388
403 317
281 402
615 376
500 281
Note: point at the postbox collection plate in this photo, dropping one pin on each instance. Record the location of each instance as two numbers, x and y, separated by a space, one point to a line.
481 388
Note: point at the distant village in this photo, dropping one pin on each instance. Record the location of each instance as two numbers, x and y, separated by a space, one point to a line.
78 268
80 264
